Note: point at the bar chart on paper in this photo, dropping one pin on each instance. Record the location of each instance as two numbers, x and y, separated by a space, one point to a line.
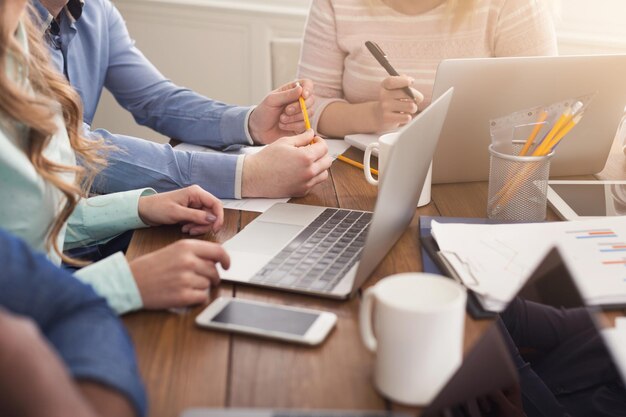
607 248
495 259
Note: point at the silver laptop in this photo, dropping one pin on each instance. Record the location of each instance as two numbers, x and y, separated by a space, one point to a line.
329 251
487 88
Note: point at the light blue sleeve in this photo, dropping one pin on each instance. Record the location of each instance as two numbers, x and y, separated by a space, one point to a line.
113 280
137 163
98 219
158 103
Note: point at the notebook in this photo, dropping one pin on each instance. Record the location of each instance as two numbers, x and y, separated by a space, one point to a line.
330 252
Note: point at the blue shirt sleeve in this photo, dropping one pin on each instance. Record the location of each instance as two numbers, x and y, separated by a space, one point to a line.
86 334
137 163
158 103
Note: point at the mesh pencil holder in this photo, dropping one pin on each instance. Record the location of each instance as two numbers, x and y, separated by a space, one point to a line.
518 186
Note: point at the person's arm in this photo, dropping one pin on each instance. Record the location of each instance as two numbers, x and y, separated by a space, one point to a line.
175 276
98 219
322 60
524 28
86 334
33 379
156 102
138 163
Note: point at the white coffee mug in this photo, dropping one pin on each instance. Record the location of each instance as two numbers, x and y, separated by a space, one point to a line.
383 149
419 321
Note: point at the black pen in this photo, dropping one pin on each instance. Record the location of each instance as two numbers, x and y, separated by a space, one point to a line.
382 60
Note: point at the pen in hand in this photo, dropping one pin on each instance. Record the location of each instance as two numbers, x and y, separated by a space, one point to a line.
382 60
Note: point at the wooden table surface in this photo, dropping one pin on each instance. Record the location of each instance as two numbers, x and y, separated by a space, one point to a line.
184 366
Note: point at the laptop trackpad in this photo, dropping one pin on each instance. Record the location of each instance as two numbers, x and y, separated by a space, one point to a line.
263 238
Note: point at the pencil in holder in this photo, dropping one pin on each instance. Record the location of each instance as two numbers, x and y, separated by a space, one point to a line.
518 185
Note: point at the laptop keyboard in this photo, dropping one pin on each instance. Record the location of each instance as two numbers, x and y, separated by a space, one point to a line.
321 254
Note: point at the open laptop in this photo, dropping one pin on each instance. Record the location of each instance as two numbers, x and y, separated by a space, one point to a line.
488 374
488 88
331 252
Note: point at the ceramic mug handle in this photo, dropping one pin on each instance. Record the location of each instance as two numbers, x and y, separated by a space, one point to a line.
366 162
365 320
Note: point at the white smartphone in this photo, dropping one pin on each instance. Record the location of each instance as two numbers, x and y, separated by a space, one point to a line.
573 200
292 324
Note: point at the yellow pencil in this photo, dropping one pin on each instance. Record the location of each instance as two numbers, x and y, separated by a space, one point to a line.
565 130
541 149
305 113
355 164
531 138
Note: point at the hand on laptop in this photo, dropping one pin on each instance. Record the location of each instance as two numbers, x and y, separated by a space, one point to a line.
289 167
394 107
279 113
179 274
198 210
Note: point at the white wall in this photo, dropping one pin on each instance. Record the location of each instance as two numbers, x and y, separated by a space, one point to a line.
220 48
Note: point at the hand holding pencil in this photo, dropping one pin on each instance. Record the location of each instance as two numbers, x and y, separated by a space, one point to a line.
307 124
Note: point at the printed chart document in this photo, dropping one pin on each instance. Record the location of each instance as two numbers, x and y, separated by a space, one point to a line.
495 260
335 148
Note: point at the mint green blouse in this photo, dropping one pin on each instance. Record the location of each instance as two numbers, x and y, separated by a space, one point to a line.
29 205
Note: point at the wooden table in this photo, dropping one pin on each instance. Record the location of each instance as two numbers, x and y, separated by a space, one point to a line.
184 366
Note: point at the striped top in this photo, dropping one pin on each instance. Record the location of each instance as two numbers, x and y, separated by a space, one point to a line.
335 58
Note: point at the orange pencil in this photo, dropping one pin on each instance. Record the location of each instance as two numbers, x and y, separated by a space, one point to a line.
305 113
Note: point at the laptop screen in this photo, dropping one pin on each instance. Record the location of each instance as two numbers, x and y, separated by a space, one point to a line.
544 356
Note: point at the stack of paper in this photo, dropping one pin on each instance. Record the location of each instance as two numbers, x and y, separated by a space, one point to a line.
495 260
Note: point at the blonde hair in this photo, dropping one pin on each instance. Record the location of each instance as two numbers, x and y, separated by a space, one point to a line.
37 112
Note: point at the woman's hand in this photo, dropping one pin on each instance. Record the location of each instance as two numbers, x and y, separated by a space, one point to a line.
179 274
394 107
198 210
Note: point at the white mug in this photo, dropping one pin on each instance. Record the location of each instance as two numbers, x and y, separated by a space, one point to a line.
383 149
419 321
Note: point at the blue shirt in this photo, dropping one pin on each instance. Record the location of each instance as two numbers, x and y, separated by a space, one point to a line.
78 324
96 52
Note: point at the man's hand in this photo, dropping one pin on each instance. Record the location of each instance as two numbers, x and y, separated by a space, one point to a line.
289 167
279 113
198 210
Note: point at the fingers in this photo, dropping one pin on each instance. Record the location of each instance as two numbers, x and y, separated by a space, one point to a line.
214 206
317 150
196 230
192 215
285 95
397 82
322 169
304 87
419 97
209 251
303 139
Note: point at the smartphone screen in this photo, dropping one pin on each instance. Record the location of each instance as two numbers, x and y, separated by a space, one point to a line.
266 318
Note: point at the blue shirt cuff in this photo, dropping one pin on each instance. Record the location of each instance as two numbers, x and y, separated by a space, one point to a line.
234 126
